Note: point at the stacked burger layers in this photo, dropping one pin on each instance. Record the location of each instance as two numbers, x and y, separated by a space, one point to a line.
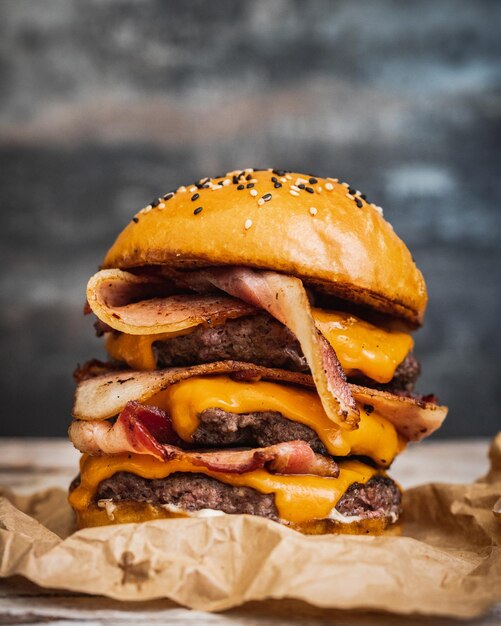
260 359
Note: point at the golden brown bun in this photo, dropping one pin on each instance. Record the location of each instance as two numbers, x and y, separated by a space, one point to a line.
137 512
338 244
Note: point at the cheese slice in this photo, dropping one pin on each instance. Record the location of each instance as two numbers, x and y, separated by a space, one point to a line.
375 436
360 346
298 498
137 350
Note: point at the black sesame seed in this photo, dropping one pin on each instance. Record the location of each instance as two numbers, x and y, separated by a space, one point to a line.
250 185
221 182
368 408
274 179
352 191
280 172
267 197
205 186
359 203
241 187
302 186
197 210
248 177
169 195
135 220
313 180
155 203
309 190
235 180
363 196
195 196
277 185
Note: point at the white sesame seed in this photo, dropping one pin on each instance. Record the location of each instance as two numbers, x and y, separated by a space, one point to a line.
148 208
293 193
329 186
288 176
253 192
295 187
161 205
216 187
359 193
348 195
181 189
226 182
193 188
334 180
345 184
253 180
260 202
313 210
248 224
283 179
319 189
304 181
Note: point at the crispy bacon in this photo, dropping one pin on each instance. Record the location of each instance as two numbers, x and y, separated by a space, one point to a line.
285 298
414 418
105 395
147 430
139 429
131 304
291 457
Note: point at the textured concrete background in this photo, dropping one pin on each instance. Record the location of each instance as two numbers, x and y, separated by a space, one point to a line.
105 104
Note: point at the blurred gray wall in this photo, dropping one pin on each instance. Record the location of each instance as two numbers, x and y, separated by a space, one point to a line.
105 104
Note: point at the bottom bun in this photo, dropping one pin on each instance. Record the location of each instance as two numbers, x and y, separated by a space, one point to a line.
128 512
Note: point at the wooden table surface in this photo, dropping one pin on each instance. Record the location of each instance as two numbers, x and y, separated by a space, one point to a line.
31 464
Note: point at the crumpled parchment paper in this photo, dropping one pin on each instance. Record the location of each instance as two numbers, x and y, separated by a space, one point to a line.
446 562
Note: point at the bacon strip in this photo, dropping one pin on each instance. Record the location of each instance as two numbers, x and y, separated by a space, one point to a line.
147 430
285 298
138 429
120 300
291 457
104 396
413 418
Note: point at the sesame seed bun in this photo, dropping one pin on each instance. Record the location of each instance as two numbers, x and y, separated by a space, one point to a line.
317 229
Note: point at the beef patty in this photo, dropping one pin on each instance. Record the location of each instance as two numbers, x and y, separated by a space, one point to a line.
219 428
377 498
262 340
257 339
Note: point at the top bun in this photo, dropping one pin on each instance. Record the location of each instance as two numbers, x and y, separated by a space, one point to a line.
317 229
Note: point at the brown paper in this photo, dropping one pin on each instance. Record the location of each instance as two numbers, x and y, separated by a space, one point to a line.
446 562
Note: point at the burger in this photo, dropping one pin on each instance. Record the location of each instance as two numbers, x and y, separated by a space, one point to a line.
260 359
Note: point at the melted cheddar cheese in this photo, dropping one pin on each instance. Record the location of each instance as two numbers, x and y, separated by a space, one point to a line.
137 350
360 346
375 436
298 498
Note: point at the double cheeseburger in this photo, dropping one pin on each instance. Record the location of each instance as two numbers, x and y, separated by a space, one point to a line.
260 359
